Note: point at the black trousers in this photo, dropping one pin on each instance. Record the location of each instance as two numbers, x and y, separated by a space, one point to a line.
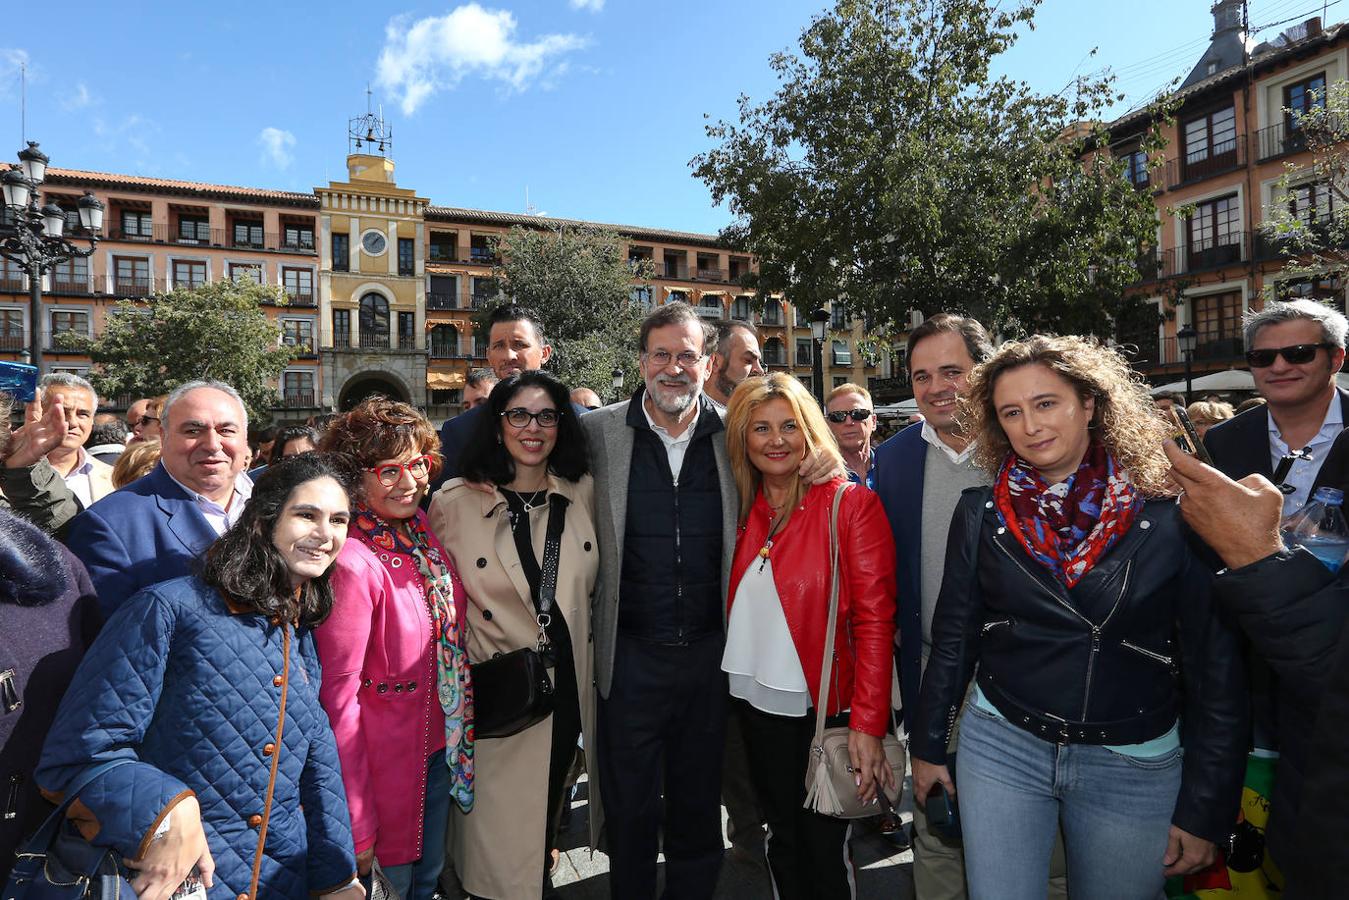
808 854
566 729
664 720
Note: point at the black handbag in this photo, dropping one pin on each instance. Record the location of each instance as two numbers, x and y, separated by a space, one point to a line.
512 691
58 864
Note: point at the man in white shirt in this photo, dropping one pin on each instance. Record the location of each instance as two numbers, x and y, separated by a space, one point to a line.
155 528
89 479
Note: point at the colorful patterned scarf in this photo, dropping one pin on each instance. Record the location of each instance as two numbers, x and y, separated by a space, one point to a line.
1067 527
449 634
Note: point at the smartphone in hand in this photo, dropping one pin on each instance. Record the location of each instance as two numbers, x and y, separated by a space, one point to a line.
943 816
1189 440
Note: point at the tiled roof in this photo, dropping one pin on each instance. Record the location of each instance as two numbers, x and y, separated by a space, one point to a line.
77 177
486 217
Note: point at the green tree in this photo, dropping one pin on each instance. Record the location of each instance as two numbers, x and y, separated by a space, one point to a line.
216 331
1308 222
580 281
892 172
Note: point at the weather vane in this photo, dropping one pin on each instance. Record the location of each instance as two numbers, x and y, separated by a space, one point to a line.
370 133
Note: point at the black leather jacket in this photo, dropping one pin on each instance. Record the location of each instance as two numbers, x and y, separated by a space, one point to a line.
1113 660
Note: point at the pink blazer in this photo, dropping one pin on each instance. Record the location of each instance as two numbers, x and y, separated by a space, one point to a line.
379 689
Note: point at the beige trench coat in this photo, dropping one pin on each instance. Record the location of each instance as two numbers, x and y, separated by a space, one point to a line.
498 847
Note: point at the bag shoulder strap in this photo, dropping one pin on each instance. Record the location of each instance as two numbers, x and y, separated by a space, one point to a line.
43 837
827 666
552 552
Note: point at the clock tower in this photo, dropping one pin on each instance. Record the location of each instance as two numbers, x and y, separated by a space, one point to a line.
372 283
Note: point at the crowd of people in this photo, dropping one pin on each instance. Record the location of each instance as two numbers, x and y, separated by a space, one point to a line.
361 653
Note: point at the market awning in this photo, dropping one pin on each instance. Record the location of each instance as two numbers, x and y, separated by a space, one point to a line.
444 381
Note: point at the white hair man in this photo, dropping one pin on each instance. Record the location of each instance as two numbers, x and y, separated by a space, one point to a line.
89 479
155 527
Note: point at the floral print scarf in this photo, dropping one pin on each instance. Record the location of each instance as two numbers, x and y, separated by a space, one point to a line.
1067 527
447 630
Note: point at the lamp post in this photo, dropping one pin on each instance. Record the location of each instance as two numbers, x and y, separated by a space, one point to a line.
819 328
1186 339
31 235
617 382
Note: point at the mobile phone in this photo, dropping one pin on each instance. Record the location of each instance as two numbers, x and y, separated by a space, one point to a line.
943 815
1191 437
19 380
193 888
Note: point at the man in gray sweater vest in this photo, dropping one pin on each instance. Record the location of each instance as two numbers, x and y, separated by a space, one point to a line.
919 475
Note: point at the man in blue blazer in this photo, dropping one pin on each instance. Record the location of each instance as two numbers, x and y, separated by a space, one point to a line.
155 528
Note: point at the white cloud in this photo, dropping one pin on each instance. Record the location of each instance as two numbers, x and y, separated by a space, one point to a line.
77 98
11 60
276 146
435 53
592 5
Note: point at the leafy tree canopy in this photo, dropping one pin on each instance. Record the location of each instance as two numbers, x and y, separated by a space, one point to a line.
218 331
580 281
891 171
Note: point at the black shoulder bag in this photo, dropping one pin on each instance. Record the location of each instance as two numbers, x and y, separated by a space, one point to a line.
512 691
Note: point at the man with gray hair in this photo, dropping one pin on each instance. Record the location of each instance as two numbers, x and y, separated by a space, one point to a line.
89 479
154 528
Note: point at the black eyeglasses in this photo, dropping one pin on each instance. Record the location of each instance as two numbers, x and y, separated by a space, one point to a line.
521 417
1296 354
839 416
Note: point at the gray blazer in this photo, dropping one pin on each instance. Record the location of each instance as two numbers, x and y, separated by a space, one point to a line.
610 441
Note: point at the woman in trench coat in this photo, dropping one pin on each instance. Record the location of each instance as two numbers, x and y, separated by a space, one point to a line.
530 450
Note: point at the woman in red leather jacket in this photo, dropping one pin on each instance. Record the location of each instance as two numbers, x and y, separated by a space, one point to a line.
778 605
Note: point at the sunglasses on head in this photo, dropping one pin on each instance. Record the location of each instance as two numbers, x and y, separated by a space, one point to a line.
1296 354
839 416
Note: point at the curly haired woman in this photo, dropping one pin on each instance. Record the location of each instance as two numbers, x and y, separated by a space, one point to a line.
1109 696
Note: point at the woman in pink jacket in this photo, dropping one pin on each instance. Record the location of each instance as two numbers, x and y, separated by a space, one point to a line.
395 672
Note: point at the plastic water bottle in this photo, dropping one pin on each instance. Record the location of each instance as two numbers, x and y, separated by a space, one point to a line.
1320 527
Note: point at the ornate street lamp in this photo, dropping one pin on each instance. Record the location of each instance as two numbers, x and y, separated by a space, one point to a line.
32 236
617 376
819 330
1186 339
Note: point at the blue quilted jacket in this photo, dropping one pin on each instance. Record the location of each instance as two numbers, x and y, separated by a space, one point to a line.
195 693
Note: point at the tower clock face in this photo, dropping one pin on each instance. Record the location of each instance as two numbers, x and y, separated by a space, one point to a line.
374 242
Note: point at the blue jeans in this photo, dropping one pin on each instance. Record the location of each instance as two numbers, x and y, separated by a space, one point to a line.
417 880
1014 789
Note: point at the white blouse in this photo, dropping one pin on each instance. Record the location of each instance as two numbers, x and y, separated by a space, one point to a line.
760 658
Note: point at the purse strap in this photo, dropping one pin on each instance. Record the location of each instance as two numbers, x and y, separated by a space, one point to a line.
45 835
552 552
827 666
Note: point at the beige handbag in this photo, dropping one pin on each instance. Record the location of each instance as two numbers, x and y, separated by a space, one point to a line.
830 788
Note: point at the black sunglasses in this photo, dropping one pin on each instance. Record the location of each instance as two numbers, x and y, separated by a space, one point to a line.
1297 354
839 416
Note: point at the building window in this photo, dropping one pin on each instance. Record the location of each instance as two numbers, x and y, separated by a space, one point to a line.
1215 233
188 274
299 237
62 322
11 330
480 249
842 355
644 297
773 353
248 234
444 246
1136 167
71 276
772 313
194 230
1311 203
299 284
676 264
803 351
739 268
1302 97
374 321
298 333
246 272
1217 320
710 305
1211 143
297 388
444 342
480 342
407 256
839 317
136 225
442 292
840 380
406 334
131 275
740 309
341 328
1324 288
677 297
341 252
484 289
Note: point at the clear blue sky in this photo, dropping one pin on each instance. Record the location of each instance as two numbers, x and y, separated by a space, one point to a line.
593 106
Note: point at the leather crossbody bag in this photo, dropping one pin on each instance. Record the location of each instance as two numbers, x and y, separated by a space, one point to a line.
512 691
830 788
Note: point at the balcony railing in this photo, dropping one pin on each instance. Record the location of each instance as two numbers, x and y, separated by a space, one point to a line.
135 287
1216 252
445 351
439 254
1280 140
374 341
442 301
13 343
210 237
483 257
301 299
52 343
302 349
481 299
407 342
1210 347
294 399
1222 157
67 286
13 285
672 270
711 274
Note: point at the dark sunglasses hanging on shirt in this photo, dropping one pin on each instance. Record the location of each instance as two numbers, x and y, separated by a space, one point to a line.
1285 466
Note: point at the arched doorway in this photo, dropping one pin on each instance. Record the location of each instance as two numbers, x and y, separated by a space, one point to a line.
368 384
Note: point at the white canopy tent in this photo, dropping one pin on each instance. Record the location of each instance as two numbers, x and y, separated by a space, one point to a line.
1230 380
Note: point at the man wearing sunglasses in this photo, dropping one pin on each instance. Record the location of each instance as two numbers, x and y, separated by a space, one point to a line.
851 419
1295 350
